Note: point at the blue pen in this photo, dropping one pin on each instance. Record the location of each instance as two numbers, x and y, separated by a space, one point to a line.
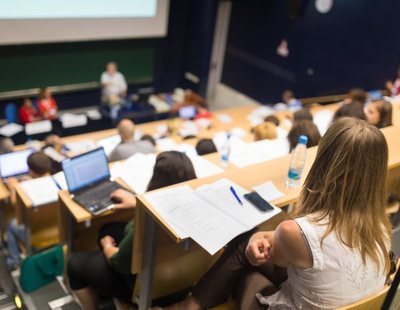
236 195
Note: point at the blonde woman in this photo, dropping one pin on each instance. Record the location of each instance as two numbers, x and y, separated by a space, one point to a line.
264 131
335 251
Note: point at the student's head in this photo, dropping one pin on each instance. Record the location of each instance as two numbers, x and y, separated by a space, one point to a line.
112 67
126 130
305 128
379 113
346 184
287 96
171 168
272 119
44 93
350 110
27 103
149 139
302 114
264 131
205 146
6 145
39 164
358 95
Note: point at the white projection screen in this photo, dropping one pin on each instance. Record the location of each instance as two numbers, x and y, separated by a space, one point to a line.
41 21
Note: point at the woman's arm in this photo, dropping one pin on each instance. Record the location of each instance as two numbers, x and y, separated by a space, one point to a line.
284 246
109 247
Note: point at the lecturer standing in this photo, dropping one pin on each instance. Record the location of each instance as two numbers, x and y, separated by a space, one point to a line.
114 88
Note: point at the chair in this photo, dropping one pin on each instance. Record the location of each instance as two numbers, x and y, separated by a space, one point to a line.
11 113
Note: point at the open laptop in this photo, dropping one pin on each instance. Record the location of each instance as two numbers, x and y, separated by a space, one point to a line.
88 180
15 163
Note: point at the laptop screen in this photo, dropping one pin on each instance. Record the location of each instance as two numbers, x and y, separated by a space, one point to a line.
15 163
86 169
187 112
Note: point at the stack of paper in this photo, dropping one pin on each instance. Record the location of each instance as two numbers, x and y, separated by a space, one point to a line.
41 191
69 120
210 215
11 129
38 127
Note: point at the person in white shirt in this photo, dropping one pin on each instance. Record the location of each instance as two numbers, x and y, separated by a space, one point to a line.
113 85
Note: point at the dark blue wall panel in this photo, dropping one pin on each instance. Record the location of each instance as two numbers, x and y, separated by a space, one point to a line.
357 44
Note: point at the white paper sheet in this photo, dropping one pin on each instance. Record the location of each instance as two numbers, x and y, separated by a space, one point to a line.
225 118
94 114
41 191
59 178
137 171
81 146
69 120
109 143
323 120
268 191
38 127
203 167
11 129
53 154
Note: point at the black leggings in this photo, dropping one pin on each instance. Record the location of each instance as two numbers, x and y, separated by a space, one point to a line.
92 269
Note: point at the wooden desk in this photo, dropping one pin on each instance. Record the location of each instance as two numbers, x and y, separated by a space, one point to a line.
5 209
40 222
79 228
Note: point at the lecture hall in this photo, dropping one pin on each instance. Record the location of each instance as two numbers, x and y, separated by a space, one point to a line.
199 154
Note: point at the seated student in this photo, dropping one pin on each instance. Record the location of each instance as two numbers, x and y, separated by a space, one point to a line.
47 105
27 112
108 271
39 165
289 102
205 146
307 128
303 114
150 139
272 119
351 110
379 113
334 252
394 88
356 95
264 131
6 145
128 146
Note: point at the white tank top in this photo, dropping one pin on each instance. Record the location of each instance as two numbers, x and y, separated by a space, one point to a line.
338 276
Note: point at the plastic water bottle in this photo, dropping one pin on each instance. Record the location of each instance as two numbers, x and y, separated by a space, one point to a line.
226 151
297 162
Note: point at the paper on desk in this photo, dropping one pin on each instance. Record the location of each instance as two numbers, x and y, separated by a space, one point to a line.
109 143
191 216
11 129
94 114
38 127
81 146
225 118
137 171
219 195
220 138
268 191
69 120
53 154
323 120
40 191
166 144
60 180
203 167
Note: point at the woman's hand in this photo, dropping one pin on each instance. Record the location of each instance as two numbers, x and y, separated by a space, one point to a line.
258 248
123 199
107 242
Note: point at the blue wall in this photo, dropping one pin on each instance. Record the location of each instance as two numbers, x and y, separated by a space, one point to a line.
357 44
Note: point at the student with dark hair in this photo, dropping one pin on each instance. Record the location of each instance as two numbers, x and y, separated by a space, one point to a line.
379 113
355 110
303 114
108 271
205 146
335 250
39 165
306 128
272 119
356 95
149 139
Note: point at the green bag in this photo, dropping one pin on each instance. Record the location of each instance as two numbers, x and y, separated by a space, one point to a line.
42 268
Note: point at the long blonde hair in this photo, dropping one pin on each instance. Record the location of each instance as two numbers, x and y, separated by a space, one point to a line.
346 185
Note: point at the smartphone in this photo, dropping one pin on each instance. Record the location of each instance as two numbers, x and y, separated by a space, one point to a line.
256 200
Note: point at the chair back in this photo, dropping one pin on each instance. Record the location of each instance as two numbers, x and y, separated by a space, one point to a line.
11 113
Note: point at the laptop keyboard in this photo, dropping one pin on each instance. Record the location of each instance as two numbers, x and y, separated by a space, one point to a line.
99 197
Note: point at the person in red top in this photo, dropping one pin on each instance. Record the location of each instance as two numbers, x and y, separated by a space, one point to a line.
47 104
27 112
